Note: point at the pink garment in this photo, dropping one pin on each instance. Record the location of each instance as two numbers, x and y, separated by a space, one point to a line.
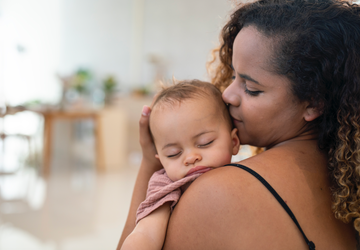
161 190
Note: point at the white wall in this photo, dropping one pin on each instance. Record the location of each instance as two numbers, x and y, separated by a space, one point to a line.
183 32
107 36
116 37
29 51
96 35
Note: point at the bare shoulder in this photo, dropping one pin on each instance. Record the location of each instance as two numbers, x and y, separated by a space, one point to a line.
226 208
201 219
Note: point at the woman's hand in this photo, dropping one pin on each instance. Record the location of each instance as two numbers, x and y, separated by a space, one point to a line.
149 165
146 141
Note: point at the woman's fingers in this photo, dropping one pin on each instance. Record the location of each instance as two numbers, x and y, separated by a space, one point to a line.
146 141
145 136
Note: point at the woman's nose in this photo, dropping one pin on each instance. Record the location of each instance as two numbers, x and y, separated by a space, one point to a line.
191 158
231 95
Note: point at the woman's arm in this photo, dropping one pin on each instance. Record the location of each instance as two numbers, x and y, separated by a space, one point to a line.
150 232
148 166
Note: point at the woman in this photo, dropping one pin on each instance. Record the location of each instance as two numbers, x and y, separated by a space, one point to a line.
296 92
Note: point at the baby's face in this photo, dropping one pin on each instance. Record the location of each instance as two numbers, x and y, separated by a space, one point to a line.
192 137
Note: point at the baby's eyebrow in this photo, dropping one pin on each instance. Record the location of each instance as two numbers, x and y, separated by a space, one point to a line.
202 133
169 145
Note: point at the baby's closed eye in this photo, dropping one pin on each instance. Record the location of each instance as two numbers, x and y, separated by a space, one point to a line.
204 144
173 155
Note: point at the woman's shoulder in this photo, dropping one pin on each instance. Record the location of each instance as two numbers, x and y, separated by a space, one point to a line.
225 207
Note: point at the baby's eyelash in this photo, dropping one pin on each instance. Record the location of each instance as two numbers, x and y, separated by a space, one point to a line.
206 144
170 156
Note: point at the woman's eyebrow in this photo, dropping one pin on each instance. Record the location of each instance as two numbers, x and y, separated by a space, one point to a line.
248 78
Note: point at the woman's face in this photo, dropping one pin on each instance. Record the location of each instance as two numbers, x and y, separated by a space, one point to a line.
264 110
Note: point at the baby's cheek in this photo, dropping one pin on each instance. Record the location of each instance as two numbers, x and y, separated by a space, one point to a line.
224 159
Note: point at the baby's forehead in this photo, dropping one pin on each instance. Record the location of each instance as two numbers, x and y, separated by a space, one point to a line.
170 103
202 106
192 105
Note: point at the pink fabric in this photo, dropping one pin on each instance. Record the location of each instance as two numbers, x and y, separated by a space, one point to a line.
161 190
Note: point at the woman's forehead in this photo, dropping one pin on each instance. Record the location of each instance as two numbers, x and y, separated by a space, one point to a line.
252 48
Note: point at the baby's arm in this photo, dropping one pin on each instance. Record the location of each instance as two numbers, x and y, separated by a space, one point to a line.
150 232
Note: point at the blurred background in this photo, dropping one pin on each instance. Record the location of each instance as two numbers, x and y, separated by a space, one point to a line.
74 76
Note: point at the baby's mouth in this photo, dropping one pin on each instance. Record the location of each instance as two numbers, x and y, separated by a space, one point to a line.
198 169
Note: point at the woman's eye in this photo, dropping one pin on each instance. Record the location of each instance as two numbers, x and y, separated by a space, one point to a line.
252 93
174 155
206 144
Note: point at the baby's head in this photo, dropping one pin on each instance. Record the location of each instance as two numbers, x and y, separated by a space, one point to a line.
192 129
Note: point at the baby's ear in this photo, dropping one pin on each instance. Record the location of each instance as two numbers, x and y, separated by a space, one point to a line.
235 142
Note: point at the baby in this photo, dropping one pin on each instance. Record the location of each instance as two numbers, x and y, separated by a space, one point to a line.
192 133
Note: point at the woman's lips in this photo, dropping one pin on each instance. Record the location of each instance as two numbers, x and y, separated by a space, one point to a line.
198 169
236 121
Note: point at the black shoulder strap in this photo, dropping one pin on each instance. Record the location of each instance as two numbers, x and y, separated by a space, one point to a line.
278 198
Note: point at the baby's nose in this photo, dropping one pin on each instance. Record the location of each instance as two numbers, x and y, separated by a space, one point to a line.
192 158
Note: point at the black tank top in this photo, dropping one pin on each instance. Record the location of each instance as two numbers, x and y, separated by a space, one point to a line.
278 198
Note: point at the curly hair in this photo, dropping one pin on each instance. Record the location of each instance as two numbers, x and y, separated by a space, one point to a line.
220 73
316 45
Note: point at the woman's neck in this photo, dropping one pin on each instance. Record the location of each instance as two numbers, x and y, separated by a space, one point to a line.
310 137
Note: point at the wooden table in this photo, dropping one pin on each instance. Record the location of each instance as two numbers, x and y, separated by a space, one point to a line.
50 116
